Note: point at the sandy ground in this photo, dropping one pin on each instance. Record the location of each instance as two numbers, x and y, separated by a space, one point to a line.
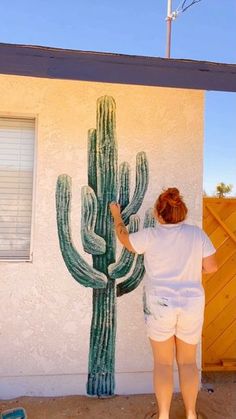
217 400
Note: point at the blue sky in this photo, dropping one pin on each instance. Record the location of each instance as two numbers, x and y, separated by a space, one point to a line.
207 31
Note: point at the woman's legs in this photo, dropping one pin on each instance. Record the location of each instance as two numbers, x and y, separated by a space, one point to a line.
188 376
163 354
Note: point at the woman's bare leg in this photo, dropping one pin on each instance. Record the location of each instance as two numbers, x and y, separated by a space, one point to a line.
188 375
163 354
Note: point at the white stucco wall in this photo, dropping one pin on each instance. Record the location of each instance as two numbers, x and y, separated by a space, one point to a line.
45 314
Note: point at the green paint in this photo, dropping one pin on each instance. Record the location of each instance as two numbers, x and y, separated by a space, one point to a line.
98 238
146 309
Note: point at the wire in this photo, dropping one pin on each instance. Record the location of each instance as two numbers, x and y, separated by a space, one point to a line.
179 8
182 7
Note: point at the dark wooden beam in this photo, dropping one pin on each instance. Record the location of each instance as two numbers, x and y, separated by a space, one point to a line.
55 63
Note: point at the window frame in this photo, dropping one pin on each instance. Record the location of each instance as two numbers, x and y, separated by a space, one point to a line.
35 117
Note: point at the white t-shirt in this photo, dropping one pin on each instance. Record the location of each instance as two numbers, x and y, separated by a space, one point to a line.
173 258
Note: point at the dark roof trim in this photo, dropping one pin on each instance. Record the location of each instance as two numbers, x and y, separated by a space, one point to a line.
36 61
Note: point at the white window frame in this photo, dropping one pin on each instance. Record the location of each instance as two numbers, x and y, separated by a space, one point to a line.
35 117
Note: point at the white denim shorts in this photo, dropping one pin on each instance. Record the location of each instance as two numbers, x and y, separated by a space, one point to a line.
174 316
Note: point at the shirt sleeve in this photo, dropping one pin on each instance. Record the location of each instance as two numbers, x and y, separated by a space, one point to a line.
207 247
139 240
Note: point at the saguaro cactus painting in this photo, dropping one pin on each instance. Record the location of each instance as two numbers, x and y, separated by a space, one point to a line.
98 239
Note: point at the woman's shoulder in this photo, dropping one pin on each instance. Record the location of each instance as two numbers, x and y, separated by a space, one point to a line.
192 228
150 231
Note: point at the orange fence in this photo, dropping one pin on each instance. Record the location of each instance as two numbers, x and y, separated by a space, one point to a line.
219 331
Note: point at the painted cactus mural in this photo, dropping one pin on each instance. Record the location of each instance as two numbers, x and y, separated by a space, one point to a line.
98 239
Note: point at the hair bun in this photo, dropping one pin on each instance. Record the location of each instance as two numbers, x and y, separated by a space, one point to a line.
170 206
172 196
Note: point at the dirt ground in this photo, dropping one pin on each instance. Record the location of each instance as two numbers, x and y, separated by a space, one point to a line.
217 400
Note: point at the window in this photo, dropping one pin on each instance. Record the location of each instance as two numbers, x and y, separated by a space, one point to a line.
17 139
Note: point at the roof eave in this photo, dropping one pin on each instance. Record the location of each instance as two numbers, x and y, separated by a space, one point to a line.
57 63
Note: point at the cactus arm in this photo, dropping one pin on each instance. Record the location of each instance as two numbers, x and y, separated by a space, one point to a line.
136 277
134 280
149 220
124 179
81 271
125 262
92 159
140 187
92 243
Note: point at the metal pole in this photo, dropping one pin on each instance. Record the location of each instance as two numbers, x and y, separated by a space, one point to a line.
168 23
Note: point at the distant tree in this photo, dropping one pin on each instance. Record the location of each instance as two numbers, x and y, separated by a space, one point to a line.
204 193
222 189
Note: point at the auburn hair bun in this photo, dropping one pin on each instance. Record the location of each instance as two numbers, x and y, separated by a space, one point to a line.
170 206
172 196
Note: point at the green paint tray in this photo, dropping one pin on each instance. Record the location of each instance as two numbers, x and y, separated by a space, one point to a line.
17 413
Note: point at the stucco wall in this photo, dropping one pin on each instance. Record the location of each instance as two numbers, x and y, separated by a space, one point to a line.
45 314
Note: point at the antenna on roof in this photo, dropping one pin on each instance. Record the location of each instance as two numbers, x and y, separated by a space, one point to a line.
183 6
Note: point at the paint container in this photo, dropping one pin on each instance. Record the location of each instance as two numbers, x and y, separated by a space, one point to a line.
17 413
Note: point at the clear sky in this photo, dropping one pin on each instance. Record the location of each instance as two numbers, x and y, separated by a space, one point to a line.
207 31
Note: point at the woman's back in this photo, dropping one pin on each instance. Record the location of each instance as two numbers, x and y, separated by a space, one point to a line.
173 255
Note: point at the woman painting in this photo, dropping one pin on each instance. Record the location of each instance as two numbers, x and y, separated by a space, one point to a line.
175 254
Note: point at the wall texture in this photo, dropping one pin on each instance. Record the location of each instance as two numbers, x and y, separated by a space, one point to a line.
45 314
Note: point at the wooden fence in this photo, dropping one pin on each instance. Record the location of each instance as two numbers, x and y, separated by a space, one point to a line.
219 331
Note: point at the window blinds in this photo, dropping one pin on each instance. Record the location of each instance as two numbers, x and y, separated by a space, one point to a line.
17 138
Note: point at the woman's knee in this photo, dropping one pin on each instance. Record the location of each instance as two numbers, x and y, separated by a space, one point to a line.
186 364
163 352
186 359
162 363
186 353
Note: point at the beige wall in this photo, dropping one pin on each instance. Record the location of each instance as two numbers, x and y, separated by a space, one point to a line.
45 313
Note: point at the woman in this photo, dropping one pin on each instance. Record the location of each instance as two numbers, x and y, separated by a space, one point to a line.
175 254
